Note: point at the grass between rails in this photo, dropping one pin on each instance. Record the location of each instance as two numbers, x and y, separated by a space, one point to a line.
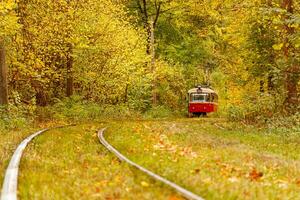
242 163
70 163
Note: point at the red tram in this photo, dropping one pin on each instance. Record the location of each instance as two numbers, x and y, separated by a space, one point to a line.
202 100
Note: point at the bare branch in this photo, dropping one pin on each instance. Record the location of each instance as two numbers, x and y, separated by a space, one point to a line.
157 13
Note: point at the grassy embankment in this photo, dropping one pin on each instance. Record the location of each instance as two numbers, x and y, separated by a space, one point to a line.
235 163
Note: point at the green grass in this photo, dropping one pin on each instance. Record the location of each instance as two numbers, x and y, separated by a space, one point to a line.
274 141
70 163
9 142
10 139
216 164
239 162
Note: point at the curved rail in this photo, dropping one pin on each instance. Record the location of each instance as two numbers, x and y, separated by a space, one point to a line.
10 183
184 192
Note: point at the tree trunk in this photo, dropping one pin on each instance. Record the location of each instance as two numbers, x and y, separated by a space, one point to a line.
292 78
270 83
143 9
3 76
261 86
70 79
292 72
41 98
149 25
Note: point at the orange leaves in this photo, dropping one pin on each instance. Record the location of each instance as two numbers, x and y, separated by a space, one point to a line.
165 144
298 182
188 152
98 190
173 197
228 170
234 173
137 129
255 175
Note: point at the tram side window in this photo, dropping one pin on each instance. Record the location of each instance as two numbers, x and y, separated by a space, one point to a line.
215 98
199 97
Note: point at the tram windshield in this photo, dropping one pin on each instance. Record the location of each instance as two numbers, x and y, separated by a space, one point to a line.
199 97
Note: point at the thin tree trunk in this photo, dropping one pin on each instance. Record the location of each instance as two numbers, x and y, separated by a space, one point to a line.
153 69
3 76
70 59
70 79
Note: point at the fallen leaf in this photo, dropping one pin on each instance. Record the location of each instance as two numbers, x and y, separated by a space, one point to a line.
144 184
282 184
298 182
255 175
207 180
174 198
233 179
98 190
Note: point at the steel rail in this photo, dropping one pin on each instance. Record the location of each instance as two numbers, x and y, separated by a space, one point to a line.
219 126
184 192
10 183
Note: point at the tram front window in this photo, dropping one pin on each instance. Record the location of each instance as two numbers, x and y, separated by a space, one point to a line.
199 97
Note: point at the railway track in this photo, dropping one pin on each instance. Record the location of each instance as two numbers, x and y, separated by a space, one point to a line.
184 192
10 183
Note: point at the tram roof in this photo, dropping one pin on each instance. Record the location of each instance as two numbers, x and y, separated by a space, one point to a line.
203 90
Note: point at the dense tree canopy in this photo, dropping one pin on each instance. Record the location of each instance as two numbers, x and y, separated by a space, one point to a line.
102 51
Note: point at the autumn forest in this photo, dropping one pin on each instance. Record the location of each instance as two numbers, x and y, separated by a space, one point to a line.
147 53
128 65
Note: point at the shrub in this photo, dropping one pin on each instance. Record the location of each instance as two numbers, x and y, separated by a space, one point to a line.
255 108
158 112
76 109
14 117
285 124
